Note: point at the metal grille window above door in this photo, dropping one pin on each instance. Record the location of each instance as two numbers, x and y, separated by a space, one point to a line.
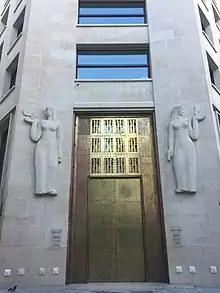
114 146
112 12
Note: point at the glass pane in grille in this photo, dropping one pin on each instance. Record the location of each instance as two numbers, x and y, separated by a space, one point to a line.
120 165
96 165
96 145
120 145
133 144
108 125
108 165
96 126
108 144
119 126
133 165
132 125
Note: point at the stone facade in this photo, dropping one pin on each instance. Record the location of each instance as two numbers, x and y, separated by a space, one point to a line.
46 77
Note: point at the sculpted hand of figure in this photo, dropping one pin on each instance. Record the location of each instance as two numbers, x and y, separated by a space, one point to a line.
196 114
47 135
29 118
181 134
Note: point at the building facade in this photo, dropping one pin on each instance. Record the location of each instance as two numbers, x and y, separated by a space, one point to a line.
110 168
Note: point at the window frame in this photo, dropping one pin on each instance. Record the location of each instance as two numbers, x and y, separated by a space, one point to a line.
206 27
10 118
1 50
214 72
10 77
112 49
4 18
216 16
18 27
217 118
112 2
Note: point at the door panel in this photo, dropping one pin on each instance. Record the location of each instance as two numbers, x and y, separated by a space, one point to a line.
116 248
130 245
101 230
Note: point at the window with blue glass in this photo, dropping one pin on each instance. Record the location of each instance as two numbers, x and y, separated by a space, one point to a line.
109 12
113 64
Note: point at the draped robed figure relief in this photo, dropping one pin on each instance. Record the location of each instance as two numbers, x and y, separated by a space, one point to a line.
47 135
181 149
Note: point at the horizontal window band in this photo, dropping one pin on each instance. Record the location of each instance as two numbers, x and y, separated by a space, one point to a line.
113 3
111 22
111 15
113 66
123 51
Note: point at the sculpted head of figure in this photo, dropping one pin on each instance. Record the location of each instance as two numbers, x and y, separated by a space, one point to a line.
177 112
48 113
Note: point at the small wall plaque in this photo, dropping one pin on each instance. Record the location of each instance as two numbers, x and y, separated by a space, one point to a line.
42 272
177 239
20 272
179 269
213 269
192 269
7 272
55 271
56 237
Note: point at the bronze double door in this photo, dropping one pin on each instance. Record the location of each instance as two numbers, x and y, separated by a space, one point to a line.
115 231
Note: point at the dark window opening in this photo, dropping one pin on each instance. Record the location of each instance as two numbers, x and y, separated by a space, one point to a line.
1 209
205 26
217 116
13 78
4 137
212 76
4 19
110 12
216 17
11 75
1 49
4 131
120 63
213 71
20 28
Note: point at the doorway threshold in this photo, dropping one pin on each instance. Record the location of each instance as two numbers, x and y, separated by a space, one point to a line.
131 287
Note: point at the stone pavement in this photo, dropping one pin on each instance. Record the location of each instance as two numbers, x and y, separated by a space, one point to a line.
117 288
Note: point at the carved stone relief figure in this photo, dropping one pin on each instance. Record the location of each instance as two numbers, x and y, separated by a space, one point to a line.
181 149
47 135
